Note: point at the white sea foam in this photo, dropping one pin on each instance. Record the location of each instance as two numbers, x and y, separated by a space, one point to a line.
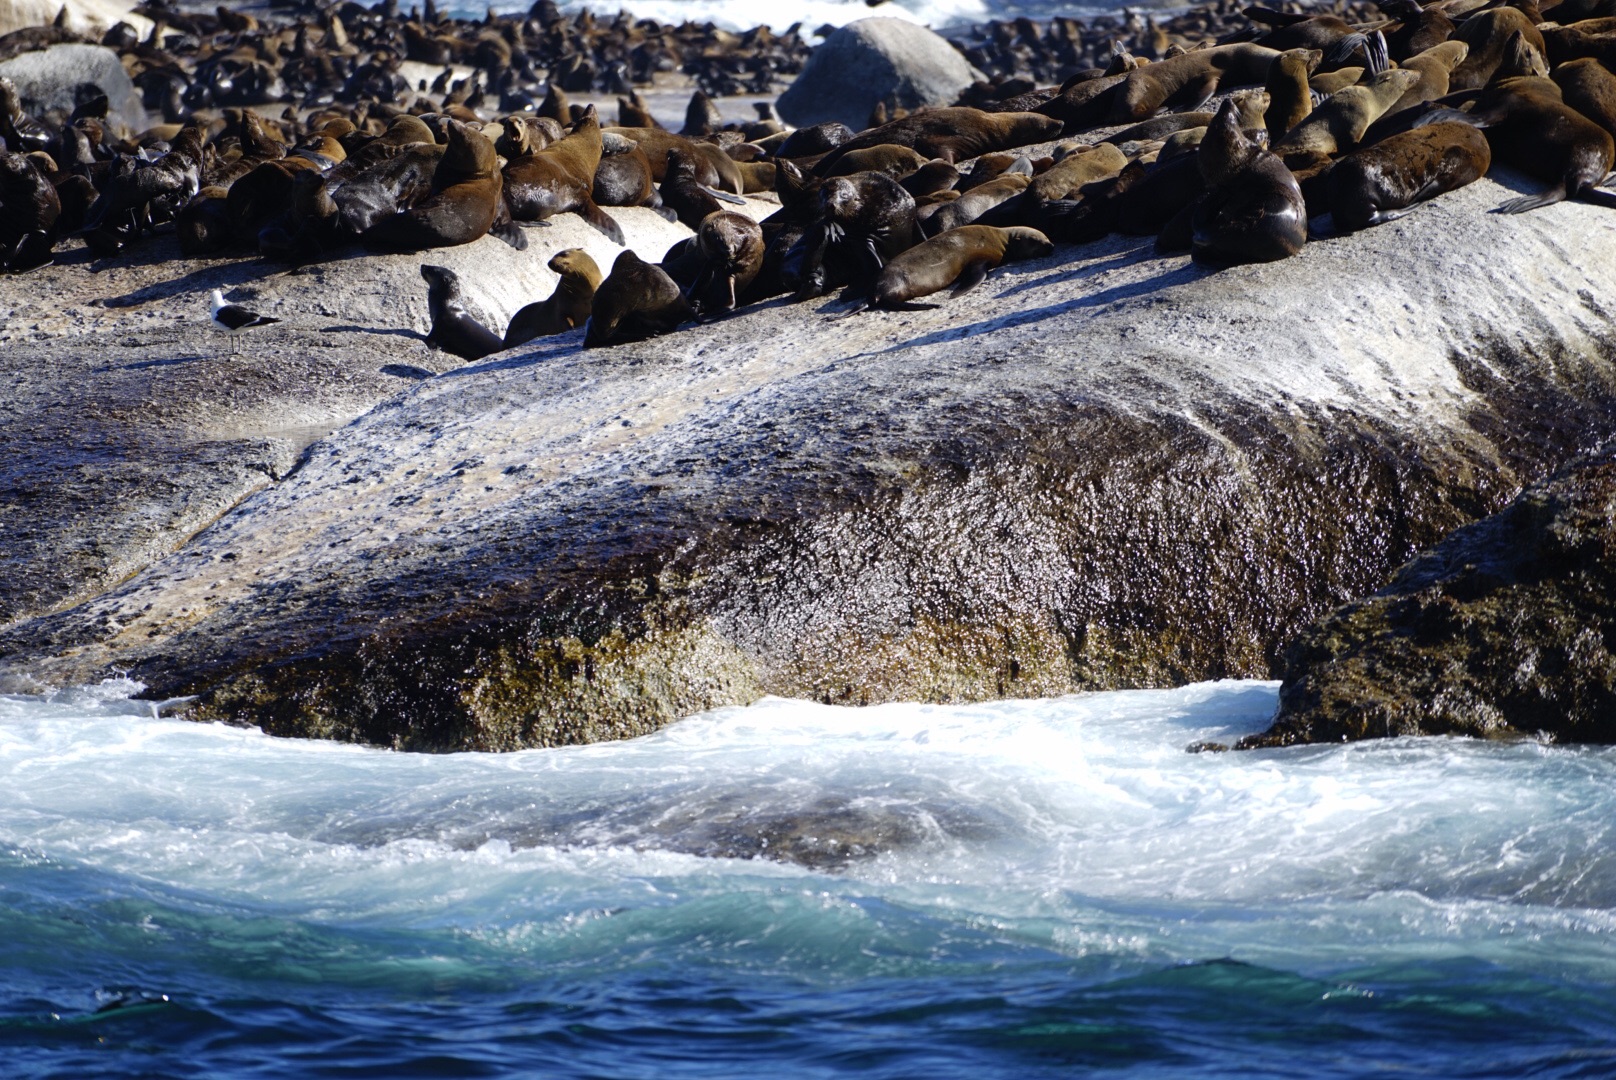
1077 824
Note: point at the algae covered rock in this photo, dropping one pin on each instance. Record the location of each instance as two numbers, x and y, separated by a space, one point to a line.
1506 627
873 61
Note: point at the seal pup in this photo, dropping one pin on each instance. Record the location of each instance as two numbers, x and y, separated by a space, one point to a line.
234 319
960 257
462 205
1253 209
565 309
1339 123
1383 182
636 301
453 328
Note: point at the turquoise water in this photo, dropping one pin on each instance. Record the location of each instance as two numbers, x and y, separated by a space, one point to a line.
1040 888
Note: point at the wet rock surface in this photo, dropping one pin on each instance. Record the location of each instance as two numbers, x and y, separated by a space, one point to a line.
1103 469
1506 628
128 422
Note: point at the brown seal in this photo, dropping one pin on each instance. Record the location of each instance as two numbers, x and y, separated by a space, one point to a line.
636 301
1338 124
960 257
731 247
1532 129
623 177
565 309
1290 98
1589 88
1488 34
865 220
29 209
896 161
683 193
1383 182
1192 79
462 205
454 330
954 134
1253 209
1435 66
561 178
973 204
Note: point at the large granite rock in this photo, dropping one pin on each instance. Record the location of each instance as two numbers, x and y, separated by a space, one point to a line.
50 78
127 424
1102 469
1508 627
872 61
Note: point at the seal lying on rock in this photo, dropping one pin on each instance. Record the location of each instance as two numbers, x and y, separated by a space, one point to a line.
1383 182
453 328
561 178
960 257
565 309
953 134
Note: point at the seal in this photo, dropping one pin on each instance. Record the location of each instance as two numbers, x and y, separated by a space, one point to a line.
1339 124
683 194
461 206
623 177
1417 28
1192 79
453 328
1436 66
1253 209
1290 98
960 257
29 210
953 134
865 220
1531 128
1383 182
561 178
565 309
636 301
1487 34
731 247
974 203
896 161
1588 87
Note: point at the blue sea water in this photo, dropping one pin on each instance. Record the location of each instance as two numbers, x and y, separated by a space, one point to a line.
1057 889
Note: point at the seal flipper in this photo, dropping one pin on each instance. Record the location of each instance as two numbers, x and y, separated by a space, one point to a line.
1555 194
724 196
1593 196
603 221
974 274
511 233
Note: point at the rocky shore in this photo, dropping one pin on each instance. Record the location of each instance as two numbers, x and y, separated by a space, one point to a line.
1106 468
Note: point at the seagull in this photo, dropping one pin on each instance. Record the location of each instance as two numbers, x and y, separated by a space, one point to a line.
233 318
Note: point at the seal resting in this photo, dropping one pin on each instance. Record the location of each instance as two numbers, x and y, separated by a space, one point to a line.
463 202
1383 182
637 301
1253 209
565 309
453 328
960 257
561 178
952 134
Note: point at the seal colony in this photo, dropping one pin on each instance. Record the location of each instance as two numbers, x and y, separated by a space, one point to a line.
1235 138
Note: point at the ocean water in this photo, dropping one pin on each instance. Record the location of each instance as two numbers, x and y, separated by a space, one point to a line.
1017 889
745 14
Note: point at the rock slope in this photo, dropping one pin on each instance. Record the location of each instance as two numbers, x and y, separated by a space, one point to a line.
1103 469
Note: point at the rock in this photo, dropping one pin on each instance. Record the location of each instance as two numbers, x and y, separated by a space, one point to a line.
1507 627
872 61
91 18
127 425
49 79
1102 469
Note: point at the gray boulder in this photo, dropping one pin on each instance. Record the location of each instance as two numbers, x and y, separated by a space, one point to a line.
48 79
872 61
1102 469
